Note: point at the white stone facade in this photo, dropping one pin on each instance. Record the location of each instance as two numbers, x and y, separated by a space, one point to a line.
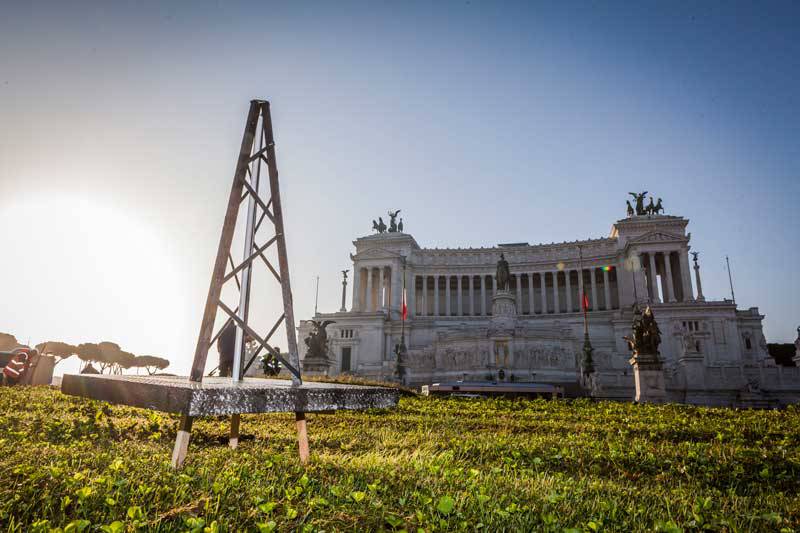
712 353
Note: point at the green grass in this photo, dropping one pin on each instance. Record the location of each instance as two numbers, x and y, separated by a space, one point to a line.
496 465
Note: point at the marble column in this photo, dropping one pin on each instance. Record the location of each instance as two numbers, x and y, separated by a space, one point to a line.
388 287
700 297
471 291
668 274
651 276
459 296
368 304
593 272
518 278
356 290
494 285
436 295
447 296
395 301
411 296
543 286
381 300
425 295
640 282
483 295
554 274
606 290
686 276
530 293
569 290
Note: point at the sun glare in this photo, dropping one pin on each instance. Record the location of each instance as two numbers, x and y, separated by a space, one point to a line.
124 283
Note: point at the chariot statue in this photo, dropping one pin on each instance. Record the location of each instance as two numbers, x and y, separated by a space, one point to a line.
392 220
650 209
379 226
639 198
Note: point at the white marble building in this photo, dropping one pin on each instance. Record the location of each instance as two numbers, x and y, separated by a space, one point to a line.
713 353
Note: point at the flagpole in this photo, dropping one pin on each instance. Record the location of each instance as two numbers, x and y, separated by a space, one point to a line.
316 297
401 348
730 279
403 309
583 294
587 364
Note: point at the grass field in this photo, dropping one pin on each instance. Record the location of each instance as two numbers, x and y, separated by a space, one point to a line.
434 465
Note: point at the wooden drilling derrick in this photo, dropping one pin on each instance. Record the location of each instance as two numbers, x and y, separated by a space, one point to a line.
199 396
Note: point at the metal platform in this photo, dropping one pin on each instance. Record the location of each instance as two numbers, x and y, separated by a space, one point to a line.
223 396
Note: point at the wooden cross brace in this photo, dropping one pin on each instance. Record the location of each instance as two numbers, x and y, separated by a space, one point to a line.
246 185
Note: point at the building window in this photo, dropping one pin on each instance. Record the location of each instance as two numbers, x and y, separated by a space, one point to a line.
747 343
346 351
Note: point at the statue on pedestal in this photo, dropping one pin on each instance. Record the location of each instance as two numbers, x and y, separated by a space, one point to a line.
647 368
317 341
344 290
645 337
503 274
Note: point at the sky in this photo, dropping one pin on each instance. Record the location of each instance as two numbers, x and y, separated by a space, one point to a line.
484 122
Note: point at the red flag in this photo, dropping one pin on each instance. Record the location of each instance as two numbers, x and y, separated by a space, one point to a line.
585 302
405 307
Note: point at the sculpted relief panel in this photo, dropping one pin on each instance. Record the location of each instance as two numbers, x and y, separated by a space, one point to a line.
462 355
545 355
524 354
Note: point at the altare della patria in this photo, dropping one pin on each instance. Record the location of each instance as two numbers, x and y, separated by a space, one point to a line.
622 317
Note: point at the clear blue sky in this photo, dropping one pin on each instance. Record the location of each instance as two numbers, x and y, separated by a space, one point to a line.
485 122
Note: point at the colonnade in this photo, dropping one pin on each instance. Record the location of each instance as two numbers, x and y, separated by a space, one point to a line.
554 291
376 288
669 272
537 293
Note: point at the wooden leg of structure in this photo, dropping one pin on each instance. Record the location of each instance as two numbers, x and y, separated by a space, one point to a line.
233 441
302 436
182 441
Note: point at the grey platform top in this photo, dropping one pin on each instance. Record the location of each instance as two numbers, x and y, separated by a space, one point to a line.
221 396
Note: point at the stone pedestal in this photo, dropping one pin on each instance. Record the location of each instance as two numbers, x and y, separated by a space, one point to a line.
316 365
504 314
692 368
501 330
648 374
